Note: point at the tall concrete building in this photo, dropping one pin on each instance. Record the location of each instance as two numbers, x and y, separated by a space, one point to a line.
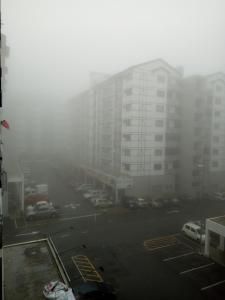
202 162
126 129
152 131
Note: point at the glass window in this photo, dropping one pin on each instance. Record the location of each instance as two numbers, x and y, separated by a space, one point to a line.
127 167
159 123
218 101
217 126
217 113
160 108
216 139
127 152
215 151
158 166
158 152
215 164
160 93
127 137
158 137
128 92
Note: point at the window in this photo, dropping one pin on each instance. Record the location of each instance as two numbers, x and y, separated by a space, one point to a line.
217 113
218 101
128 107
128 92
215 151
127 137
195 183
215 164
195 172
161 78
159 123
158 166
216 125
127 122
127 167
216 139
171 151
158 137
160 108
127 152
160 93
158 152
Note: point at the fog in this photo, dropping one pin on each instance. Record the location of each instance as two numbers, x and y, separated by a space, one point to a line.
55 45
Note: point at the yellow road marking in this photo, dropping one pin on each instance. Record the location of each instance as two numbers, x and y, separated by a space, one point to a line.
86 268
160 242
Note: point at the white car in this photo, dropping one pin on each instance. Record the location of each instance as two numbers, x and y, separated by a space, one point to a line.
142 203
194 231
84 187
218 196
102 203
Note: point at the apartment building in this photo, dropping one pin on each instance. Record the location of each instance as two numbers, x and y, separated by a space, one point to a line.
126 128
202 160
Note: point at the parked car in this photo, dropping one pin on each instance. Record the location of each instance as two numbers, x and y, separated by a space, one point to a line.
103 203
84 187
94 291
218 196
91 193
41 209
141 203
194 231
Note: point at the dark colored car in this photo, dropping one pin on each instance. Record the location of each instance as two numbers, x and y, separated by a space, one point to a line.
94 291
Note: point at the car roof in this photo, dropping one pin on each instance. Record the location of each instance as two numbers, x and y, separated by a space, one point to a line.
193 225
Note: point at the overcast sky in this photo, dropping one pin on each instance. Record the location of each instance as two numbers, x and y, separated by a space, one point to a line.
55 44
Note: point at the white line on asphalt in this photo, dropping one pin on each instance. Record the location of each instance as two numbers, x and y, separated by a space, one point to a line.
212 285
193 269
159 247
28 233
178 256
65 235
79 217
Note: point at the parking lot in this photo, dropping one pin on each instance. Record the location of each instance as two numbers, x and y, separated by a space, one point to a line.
141 252
185 258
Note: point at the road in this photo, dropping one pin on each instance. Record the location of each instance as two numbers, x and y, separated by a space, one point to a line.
141 252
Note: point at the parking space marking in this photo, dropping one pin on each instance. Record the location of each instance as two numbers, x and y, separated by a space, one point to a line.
160 242
86 268
193 269
212 285
178 256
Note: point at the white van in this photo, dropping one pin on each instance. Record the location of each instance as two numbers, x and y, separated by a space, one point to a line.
194 231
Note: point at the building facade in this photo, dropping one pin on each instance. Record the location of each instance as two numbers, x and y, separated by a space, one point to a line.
202 160
128 127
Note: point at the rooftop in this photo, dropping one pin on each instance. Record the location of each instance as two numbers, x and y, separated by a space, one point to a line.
220 220
27 267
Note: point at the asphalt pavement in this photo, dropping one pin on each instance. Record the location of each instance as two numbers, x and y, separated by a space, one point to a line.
141 252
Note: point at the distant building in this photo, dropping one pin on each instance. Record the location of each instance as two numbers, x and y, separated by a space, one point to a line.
128 126
153 129
202 161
